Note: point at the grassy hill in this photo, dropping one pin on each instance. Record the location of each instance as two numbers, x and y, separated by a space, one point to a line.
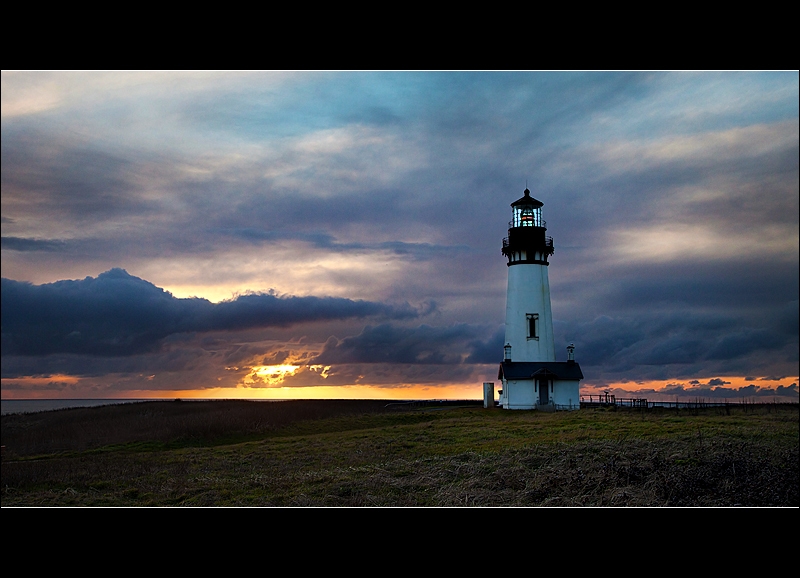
365 453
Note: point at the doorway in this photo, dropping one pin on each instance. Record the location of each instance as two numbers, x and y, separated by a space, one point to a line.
543 391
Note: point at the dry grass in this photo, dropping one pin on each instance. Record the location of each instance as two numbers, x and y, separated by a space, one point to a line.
360 454
165 422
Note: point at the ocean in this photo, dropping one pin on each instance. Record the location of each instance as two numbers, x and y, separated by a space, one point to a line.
34 405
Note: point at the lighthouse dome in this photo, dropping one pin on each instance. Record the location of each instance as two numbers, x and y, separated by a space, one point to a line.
527 200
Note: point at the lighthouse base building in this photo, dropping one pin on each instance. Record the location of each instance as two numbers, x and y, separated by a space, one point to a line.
543 385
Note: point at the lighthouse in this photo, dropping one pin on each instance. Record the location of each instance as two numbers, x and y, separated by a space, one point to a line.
531 376
529 323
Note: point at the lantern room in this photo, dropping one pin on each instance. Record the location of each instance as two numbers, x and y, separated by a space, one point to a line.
526 241
526 212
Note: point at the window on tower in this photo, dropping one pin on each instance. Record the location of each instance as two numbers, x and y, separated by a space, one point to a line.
533 325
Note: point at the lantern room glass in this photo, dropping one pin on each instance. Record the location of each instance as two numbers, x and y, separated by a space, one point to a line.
527 216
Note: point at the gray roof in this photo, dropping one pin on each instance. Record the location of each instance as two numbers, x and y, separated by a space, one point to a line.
527 200
539 370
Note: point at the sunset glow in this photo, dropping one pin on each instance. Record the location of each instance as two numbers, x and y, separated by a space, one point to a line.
728 388
273 374
268 384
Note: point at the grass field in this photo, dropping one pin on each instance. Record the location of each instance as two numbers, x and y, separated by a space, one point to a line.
363 453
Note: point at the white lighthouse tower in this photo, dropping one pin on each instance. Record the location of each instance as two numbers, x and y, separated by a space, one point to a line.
529 323
530 374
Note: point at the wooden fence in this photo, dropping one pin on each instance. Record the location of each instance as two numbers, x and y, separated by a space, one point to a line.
605 400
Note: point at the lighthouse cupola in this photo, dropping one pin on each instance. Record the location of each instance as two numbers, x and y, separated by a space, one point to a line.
527 241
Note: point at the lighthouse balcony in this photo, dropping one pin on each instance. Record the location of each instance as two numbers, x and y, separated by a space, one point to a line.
548 241
545 244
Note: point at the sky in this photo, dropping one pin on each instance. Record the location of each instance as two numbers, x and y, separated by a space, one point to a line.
338 234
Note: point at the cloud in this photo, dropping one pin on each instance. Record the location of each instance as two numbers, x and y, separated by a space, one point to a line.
672 199
697 391
21 244
748 391
424 344
680 344
117 314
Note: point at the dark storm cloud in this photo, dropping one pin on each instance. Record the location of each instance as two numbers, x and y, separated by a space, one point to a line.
753 286
22 244
679 344
320 240
119 314
424 344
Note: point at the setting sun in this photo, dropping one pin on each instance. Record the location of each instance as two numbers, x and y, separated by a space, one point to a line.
272 374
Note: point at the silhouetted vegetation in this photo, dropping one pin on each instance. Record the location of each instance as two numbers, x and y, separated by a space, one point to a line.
365 453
